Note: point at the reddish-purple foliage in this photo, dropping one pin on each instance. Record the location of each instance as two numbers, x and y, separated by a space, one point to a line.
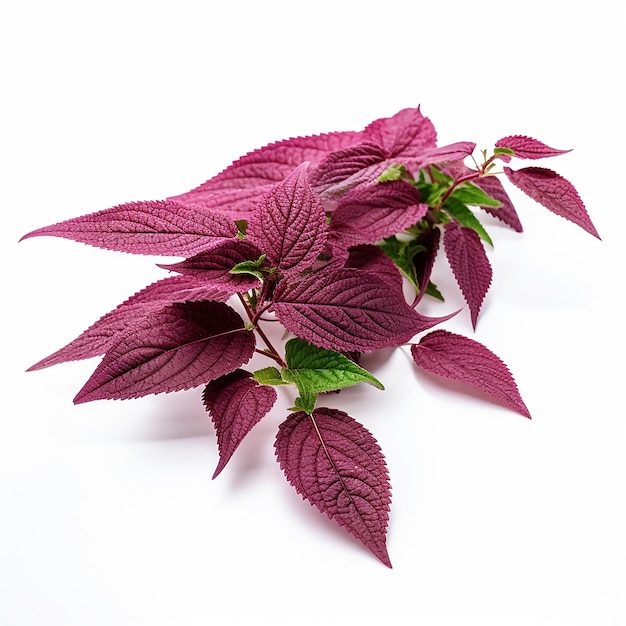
236 403
326 228
467 361
289 224
163 228
554 192
335 463
469 263
526 148
348 309
370 213
177 347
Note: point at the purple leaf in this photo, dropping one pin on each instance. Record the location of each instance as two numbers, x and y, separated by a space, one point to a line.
289 225
424 261
97 339
370 213
348 309
335 463
234 190
469 264
466 361
236 403
554 192
526 148
407 132
160 227
214 265
177 347
373 260
344 169
506 213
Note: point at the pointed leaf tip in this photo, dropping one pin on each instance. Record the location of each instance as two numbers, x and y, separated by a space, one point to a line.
526 148
553 192
336 464
236 403
466 361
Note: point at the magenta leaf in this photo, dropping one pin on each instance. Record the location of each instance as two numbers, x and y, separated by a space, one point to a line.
526 148
97 339
554 192
346 310
370 213
215 264
177 347
469 264
160 227
373 260
234 190
505 213
289 224
335 463
466 361
236 403
424 259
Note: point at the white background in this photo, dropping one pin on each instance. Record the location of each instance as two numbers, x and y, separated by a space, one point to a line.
108 512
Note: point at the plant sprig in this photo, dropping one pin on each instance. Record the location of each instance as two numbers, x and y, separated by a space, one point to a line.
321 233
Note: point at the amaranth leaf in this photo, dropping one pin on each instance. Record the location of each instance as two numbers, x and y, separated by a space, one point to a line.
335 463
289 224
554 192
466 361
469 264
236 403
372 212
161 228
97 339
526 148
316 370
215 264
506 213
348 309
177 347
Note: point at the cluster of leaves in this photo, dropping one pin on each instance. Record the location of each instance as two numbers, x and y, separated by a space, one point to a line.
320 233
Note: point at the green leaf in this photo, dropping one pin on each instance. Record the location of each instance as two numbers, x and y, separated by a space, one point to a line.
242 227
433 291
508 151
250 267
394 172
465 217
316 370
305 402
402 253
269 376
471 194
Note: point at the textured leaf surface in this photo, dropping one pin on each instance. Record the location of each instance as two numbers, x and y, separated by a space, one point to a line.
102 334
554 192
289 225
469 264
506 212
370 213
215 264
162 228
466 361
373 260
234 189
335 463
236 403
178 347
347 309
316 370
527 148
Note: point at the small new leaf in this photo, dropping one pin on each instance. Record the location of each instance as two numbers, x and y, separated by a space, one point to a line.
269 376
316 370
471 194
